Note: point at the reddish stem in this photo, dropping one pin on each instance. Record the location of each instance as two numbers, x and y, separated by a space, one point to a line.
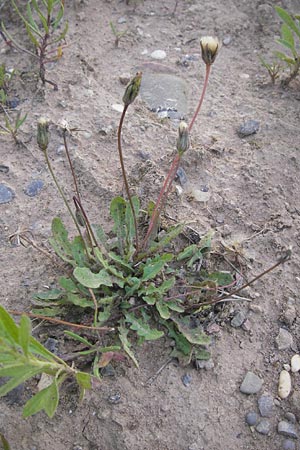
208 66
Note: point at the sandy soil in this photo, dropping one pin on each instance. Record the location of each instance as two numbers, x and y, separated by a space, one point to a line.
254 202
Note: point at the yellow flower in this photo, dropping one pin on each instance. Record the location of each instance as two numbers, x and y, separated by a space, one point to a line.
209 47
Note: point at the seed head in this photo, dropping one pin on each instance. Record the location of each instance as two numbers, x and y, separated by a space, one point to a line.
132 89
43 134
183 140
209 48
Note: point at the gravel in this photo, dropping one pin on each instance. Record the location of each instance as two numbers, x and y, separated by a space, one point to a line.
251 384
251 418
263 427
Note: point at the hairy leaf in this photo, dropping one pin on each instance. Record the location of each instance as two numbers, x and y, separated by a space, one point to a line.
154 266
92 280
47 399
143 329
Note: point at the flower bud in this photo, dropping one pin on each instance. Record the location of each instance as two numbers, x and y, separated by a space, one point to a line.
183 140
209 48
132 89
43 134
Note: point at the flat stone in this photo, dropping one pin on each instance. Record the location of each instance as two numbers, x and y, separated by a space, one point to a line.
288 445
251 384
248 128
238 319
263 427
158 54
290 417
284 339
251 418
34 188
6 194
287 429
266 405
164 91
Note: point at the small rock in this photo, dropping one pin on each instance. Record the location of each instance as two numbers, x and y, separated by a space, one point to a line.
158 54
34 188
226 40
284 339
289 315
251 384
117 107
122 20
285 384
263 427
248 128
287 367
125 78
247 325
200 195
266 405
182 176
238 319
12 103
287 429
51 344
4 169
213 328
115 398
6 194
251 418
108 371
206 365
290 417
289 445
186 379
295 363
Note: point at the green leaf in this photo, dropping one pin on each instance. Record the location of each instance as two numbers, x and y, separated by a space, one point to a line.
47 400
51 294
123 332
58 18
163 309
188 252
285 58
31 20
77 300
221 278
48 312
205 243
38 349
100 234
171 234
130 225
174 306
120 261
117 212
18 374
25 333
287 35
104 315
78 251
4 442
284 15
60 241
287 45
92 280
194 335
154 266
8 328
76 337
202 354
43 19
84 381
142 328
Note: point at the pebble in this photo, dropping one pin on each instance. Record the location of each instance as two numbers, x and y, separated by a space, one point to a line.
284 339
122 20
199 195
158 54
227 40
51 344
295 363
115 398
284 385
181 175
124 78
186 379
266 405
263 427
251 384
238 319
4 169
248 128
289 445
34 188
251 418
287 367
206 365
6 194
289 315
117 107
290 417
287 429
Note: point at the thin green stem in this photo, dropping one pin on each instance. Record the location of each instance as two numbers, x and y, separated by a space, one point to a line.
65 201
125 177
208 66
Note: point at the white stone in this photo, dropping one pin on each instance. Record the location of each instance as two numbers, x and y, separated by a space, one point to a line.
158 54
117 107
295 363
285 384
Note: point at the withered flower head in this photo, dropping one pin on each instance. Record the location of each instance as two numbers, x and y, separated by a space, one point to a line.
43 134
132 89
183 140
209 48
